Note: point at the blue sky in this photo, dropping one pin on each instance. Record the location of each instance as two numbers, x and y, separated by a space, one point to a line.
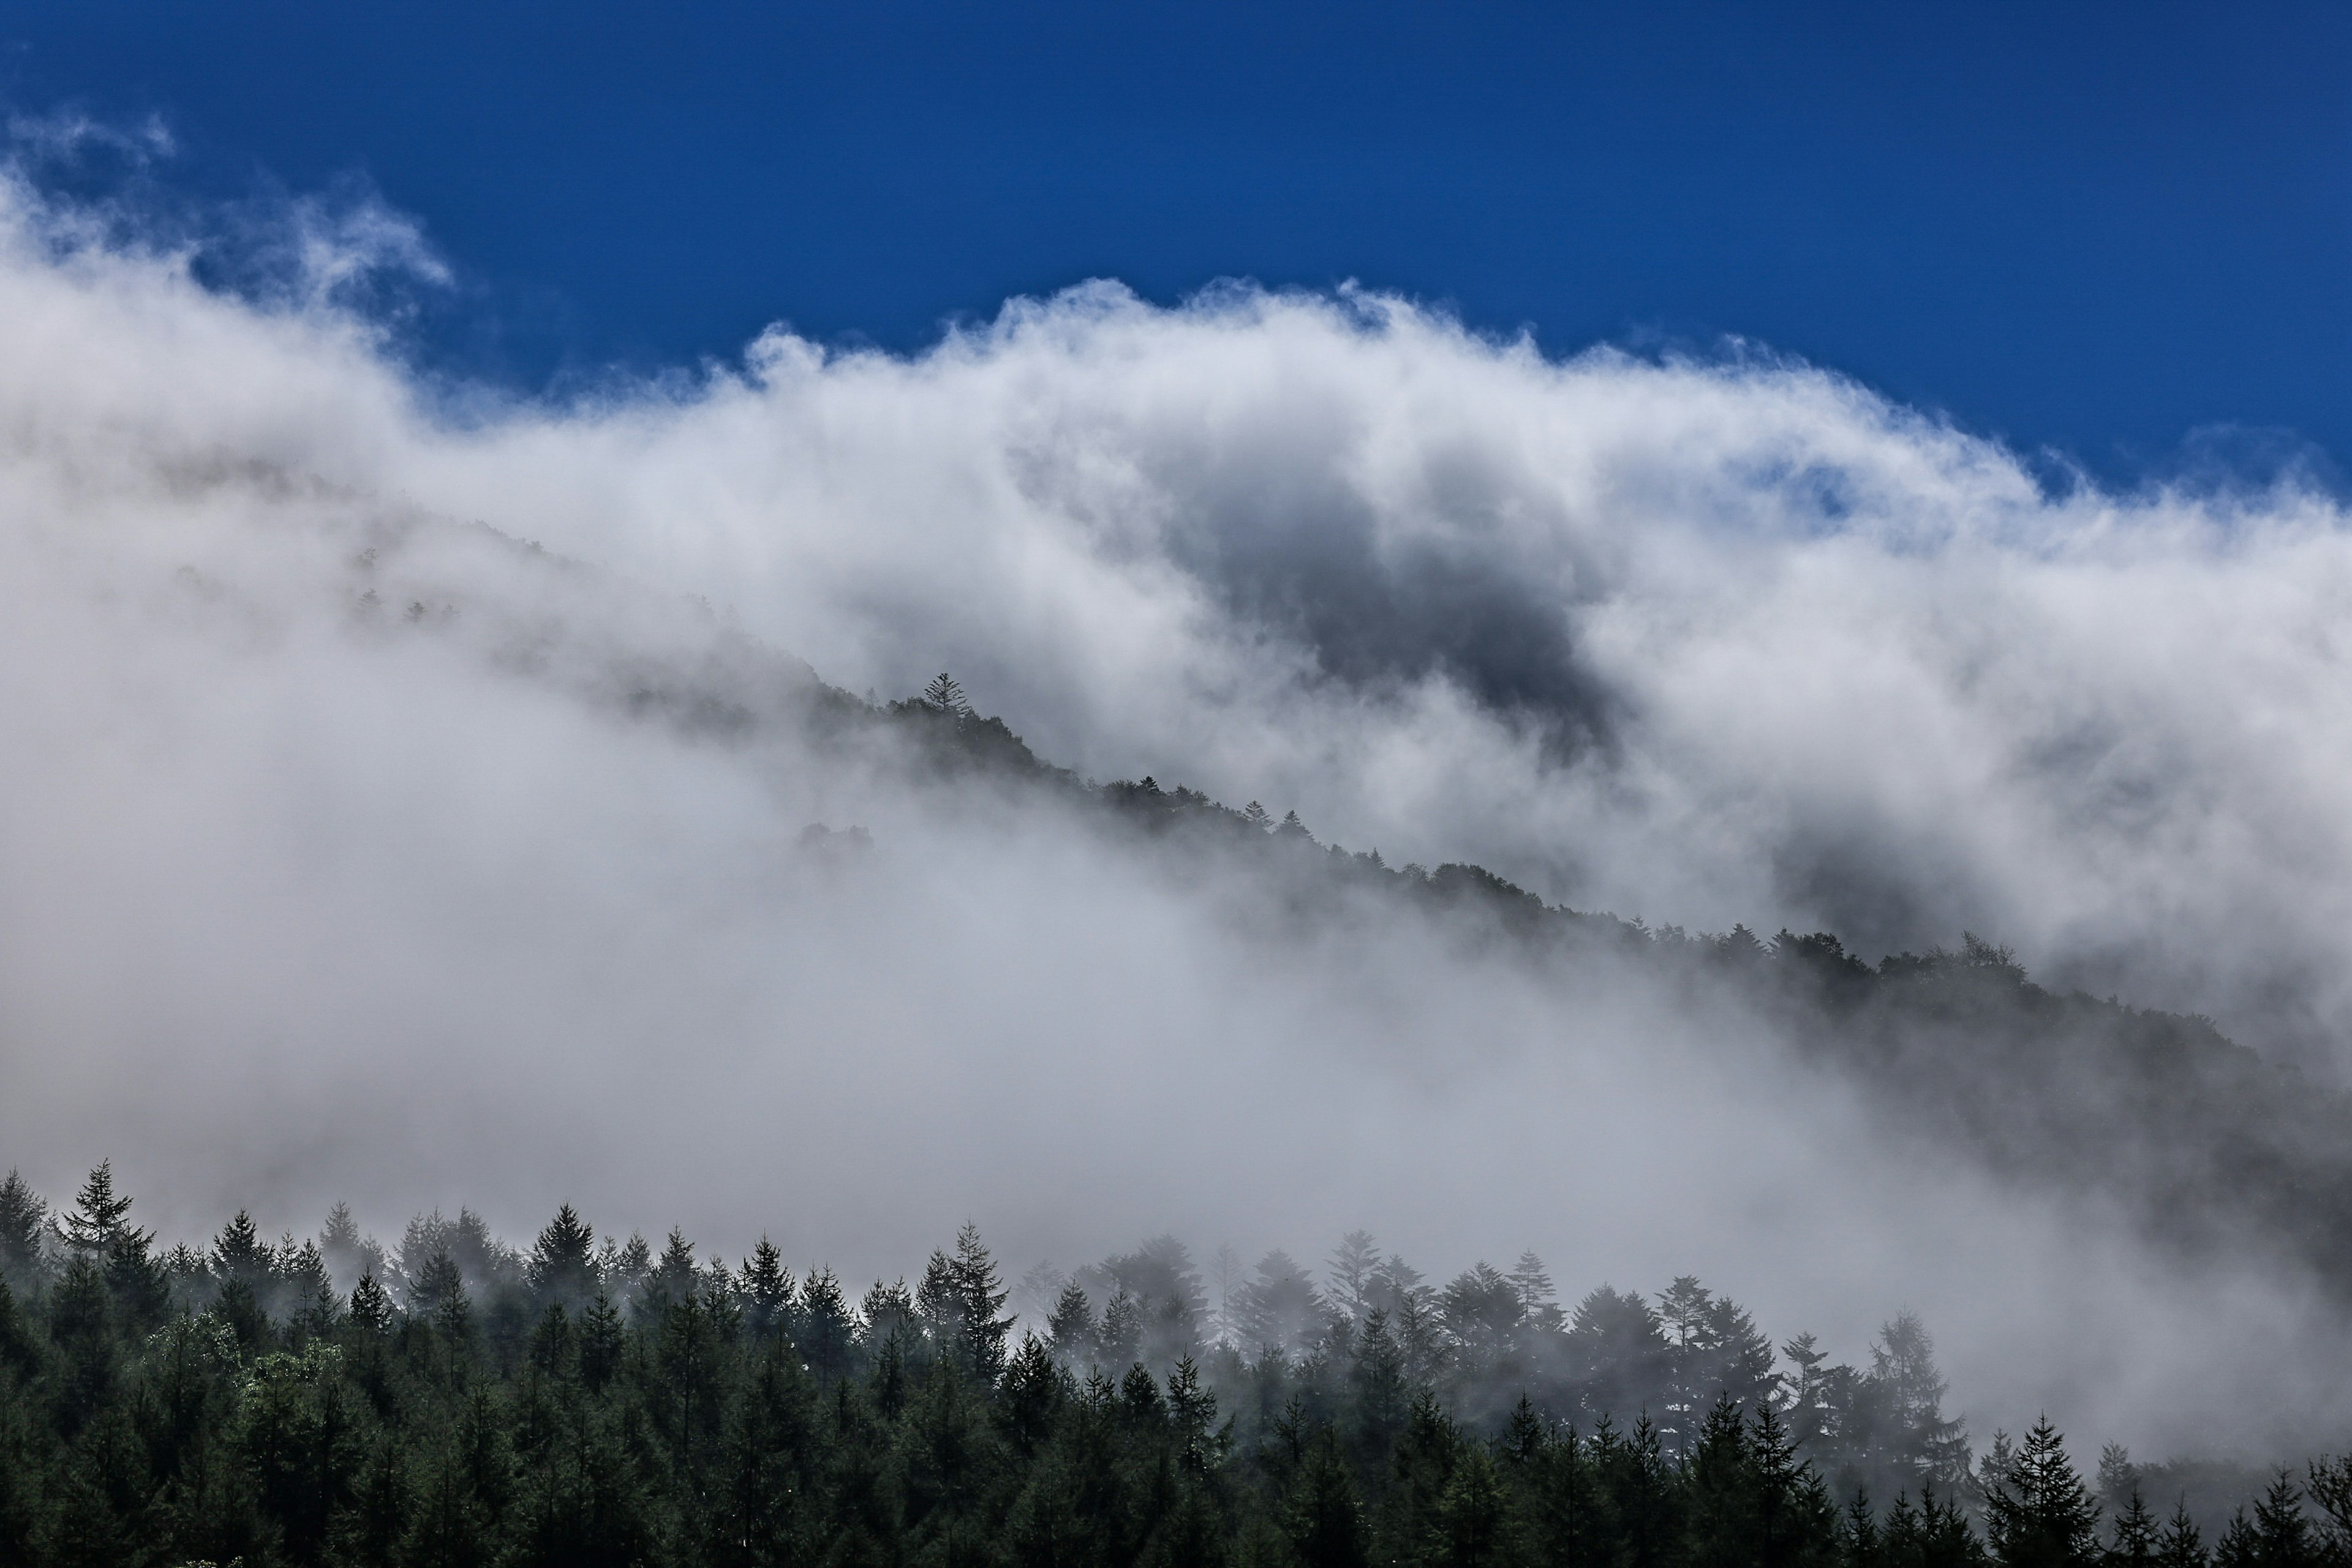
2101 228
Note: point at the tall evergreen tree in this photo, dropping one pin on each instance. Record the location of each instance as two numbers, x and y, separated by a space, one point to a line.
2039 1514
767 1286
23 1218
100 1219
2182 1544
2134 1540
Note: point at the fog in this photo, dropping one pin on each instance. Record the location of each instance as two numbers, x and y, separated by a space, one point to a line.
405 791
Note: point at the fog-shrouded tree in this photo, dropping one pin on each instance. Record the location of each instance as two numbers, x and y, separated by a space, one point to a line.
767 1289
2182 1544
946 695
1280 1309
561 1268
1354 1263
687 1413
2038 1512
100 1219
24 1222
1071 1334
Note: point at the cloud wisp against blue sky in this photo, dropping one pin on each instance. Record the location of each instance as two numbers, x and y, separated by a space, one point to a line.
2101 227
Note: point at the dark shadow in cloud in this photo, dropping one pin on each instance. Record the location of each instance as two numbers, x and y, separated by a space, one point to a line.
1380 619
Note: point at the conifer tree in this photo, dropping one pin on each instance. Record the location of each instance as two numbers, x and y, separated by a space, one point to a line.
1354 1264
240 1254
2182 1546
767 1293
672 1279
2240 1546
980 1297
946 696
562 1268
1326 1520
23 1218
2039 1514
100 1219
1121 1335
825 1333
1070 1331
1539 1301
602 1343
371 1308
2282 1529
2133 1543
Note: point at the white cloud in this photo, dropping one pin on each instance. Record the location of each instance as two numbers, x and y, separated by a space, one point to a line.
303 893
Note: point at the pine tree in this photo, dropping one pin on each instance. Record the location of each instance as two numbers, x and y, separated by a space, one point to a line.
1354 1263
100 1219
2282 1528
1122 1331
946 697
1927 1446
1860 1544
439 1284
2331 1491
1070 1330
2117 1477
1326 1522
1471 1520
2134 1542
1946 1538
826 1334
562 1268
240 1254
24 1218
1538 1300
308 1290
980 1303
2240 1546
601 1344
2183 1545
371 1308
767 1293
1383 1391
672 1279
2039 1514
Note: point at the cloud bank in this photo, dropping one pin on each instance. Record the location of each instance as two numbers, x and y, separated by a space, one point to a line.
335 864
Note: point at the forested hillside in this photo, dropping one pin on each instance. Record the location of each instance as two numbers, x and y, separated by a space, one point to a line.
2216 1150
454 1400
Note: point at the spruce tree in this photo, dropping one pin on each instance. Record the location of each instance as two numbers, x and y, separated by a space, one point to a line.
2133 1543
767 1286
2039 1514
979 1298
2241 1546
1353 1265
1538 1302
603 1341
2282 1529
561 1268
825 1334
24 1218
371 1308
2182 1546
240 1254
1070 1330
945 696
100 1217
1326 1520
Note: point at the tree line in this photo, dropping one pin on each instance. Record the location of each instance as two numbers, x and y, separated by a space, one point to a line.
454 1400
